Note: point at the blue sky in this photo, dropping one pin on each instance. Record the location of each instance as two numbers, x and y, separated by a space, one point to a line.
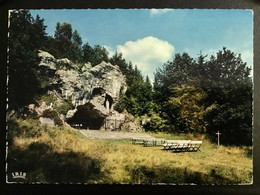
151 37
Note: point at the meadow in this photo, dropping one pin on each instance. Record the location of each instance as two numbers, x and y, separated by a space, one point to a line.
64 155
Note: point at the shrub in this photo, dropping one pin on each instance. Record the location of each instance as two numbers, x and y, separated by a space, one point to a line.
48 99
53 115
32 115
13 130
65 107
22 128
156 124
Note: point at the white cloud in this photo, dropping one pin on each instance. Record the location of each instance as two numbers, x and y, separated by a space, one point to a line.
147 53
247 56
154 12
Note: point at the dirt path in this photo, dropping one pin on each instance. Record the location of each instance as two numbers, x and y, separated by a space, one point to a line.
114 134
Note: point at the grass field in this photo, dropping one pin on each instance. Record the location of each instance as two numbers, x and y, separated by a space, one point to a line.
64 155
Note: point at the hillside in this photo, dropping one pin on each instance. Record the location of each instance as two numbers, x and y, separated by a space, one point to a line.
63 155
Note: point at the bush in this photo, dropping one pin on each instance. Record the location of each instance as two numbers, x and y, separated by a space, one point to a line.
48 99
22 128
156 123
32 115
65 107
13 130
53 115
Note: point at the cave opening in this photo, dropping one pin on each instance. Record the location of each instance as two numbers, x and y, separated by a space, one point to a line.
86 118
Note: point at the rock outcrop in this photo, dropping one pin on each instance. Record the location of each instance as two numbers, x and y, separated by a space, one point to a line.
93 91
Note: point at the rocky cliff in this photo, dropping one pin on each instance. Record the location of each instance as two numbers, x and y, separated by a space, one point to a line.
93 91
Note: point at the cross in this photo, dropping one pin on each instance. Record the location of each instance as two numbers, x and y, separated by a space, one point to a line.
218 136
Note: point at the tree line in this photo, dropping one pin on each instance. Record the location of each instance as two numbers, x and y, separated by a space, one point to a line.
202 95
205 96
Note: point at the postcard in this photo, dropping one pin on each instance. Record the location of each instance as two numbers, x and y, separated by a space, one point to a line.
130 96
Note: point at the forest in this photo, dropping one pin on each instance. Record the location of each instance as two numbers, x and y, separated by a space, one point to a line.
200 95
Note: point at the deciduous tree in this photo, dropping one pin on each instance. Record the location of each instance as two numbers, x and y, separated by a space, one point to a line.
26 36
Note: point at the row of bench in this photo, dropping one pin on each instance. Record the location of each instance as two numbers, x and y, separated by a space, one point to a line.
174 145
148 142
182 145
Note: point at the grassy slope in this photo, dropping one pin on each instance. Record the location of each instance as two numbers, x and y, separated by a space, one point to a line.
64 155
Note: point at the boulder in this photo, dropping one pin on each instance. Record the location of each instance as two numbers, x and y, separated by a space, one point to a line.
47 121
39 110
47 60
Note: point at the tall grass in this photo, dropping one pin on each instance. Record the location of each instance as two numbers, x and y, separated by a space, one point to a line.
64 155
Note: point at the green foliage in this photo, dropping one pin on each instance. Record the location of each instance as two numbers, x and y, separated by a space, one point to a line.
48 99
88 52
117 59
138 104
53 115
122 103
233 124
94 55
65 107
27 36
187 109
66 43
229 86
32 115
139 97
207 96
174 74
22 128
100 54
13 130
158 124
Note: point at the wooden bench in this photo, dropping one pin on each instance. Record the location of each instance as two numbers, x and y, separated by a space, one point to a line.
148 142
159 142
195 146
153 142
137 141
174 144
182 145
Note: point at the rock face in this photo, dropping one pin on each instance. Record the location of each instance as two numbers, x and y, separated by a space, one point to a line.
93 91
